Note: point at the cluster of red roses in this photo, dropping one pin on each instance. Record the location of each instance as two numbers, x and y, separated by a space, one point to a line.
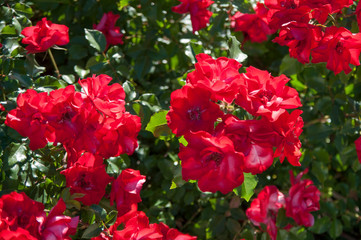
218 156
126 194
25 219
46 34
297 21
302 199
91 125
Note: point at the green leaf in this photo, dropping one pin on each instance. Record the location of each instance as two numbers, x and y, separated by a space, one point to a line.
122 3
129 89
321 225
246 190
335 229
92 231
235 50
24 10
96 39
99 211
158 124
290 66
8 30
111 217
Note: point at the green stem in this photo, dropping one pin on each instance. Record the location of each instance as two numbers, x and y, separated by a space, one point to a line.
54 63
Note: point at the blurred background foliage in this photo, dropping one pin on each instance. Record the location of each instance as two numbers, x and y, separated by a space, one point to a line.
158 51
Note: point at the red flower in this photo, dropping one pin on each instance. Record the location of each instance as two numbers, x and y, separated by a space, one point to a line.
28 118
192 110
265 207
18 234
303 198
358 148
173 234
18 211
254 26
87 176
57 226
61 113
107 99
118 136
254 138
220 76
138 228
126 190
339 47
197 8
264 95
212 161
301 38
2 108
44 35
285 11
108 28
289 127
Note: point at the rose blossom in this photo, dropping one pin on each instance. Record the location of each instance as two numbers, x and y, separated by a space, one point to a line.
126 190
44 35
198 10
303 198
265 95
265 207
108 28
192 110
212 161
87 176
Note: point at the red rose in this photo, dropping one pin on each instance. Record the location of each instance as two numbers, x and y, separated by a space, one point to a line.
18 211
289 127
339 47
220 76
265 95
107 99
173 234
61 114
254 138
285 11
303 198
126 190
301 38
254 26
265 207
212 161
198 10
108 28
44 35
18 234
118 136
28 118
138 228
192 110
57 226
87 176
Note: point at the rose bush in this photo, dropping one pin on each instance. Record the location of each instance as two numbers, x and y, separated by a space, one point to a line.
173 119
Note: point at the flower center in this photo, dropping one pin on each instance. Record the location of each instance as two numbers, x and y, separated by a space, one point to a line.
339 48
216 157
265 96
83 183
194 113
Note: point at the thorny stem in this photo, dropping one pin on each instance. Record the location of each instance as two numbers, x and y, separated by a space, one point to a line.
54 63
